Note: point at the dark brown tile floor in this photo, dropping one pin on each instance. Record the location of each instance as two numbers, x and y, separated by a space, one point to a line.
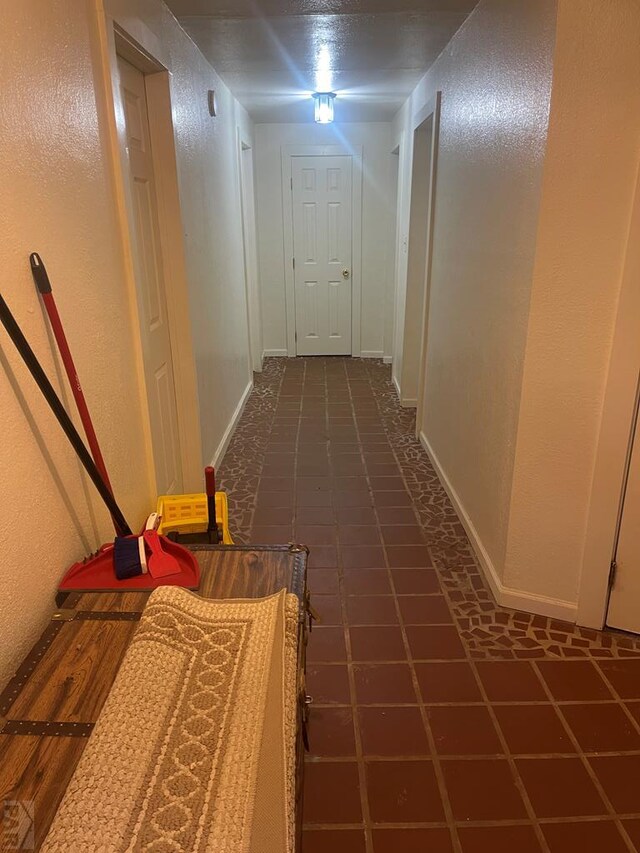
440 721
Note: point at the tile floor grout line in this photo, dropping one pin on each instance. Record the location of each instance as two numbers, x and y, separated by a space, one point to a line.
296 447
581 643
359 758
466 658
471 759
362 769
386 397
381 427
528 703
240 532
434 562
512 764
515 774
267 440
435 758
497 824
635 723
585 762
435 761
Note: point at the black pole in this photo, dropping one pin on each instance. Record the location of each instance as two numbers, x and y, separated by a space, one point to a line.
40 377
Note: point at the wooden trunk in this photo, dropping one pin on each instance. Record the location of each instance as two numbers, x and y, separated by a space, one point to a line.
50 706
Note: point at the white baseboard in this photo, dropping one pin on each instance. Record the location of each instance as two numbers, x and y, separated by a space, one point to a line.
387 359
283 353
218 456
405 402
505 596
395 385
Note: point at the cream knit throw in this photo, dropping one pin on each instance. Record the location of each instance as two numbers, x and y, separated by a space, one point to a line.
195 747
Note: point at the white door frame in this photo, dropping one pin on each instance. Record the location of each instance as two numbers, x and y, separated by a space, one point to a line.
144 51
390 302
400 269
614 441
410 338
431 111
355 152
249 238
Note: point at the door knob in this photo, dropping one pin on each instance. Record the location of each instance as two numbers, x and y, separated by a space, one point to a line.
345 273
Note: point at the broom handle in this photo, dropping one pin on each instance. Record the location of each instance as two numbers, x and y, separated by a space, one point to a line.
41 278
40 377
43 284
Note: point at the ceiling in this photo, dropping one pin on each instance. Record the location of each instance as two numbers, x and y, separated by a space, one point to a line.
274 53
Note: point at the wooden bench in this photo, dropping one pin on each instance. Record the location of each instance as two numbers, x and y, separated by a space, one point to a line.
49 708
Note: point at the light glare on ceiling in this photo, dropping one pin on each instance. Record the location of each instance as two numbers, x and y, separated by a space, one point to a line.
324 70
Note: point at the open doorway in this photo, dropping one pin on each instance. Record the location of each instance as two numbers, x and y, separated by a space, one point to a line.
421 218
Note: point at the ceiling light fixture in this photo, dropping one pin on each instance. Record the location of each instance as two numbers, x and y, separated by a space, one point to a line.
324 106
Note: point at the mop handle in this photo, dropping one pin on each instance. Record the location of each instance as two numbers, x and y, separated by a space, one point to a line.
40 377
39 272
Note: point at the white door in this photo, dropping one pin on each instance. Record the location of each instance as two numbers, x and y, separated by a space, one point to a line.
322 225
624 604
152 303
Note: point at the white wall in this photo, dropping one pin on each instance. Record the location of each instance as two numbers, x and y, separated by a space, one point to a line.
377 222
215 263
495 79
590 174
57 186
538 162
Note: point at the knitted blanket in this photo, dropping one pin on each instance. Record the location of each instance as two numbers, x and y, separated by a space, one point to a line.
195 747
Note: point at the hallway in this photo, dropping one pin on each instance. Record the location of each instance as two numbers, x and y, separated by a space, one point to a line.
439 721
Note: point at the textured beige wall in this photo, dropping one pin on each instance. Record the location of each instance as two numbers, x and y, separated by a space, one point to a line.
495 78
57 198
592 159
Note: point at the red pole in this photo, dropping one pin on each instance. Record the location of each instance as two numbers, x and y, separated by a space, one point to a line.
44 286
76 387
210 484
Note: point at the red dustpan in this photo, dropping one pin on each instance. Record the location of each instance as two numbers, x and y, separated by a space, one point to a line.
96 573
